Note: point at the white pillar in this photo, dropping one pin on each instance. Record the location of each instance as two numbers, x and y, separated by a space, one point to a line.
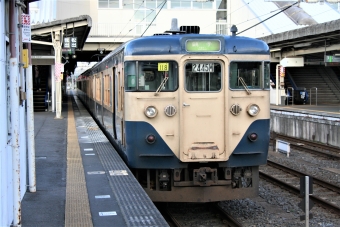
30 130
14 106
277 83
22 136
57 54
14 94
4 167
22 117
53 87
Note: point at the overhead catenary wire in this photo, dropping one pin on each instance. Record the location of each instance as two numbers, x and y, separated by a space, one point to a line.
155 17
268 18
130 18
136 24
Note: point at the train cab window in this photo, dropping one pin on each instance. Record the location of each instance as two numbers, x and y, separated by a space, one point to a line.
203 77
249 75
150 76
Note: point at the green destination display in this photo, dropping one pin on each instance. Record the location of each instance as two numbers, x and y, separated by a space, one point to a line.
203 45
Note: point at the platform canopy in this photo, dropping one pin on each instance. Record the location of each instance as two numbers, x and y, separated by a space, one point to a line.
312 42
41 35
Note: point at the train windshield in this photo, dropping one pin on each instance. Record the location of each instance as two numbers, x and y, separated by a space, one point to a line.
203 77
151 76
249 75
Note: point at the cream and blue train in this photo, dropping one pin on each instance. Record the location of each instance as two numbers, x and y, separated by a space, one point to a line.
189 113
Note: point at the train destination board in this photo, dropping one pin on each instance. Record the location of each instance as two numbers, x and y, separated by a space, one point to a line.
203 45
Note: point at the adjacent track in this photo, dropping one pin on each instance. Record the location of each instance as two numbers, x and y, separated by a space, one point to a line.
289 178
206 214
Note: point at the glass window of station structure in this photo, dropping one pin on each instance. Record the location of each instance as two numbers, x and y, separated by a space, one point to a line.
147 7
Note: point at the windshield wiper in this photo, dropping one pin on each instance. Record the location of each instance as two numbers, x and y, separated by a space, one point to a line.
162 84
244 85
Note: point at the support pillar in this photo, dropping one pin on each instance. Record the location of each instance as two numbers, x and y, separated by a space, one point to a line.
58 72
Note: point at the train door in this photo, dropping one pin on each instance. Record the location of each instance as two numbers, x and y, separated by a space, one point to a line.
114 102
202 111
102 97
120 108
95 85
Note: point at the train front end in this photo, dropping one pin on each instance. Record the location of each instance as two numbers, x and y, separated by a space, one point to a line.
197 116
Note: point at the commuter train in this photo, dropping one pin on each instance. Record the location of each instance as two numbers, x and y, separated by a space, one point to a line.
188 112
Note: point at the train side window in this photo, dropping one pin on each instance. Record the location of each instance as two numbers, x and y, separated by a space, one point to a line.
249 74
130 74
203 77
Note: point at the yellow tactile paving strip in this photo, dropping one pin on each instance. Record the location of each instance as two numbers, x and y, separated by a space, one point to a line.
77 209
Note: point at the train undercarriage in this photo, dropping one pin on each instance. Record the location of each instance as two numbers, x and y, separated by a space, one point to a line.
199 184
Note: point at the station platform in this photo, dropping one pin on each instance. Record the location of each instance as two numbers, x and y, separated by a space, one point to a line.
318 123
80 178
320 110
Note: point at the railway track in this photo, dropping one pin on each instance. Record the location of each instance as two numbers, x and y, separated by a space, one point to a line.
197 214
319 149
325 194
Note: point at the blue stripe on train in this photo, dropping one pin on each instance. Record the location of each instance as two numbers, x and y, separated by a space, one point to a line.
140 154
249 153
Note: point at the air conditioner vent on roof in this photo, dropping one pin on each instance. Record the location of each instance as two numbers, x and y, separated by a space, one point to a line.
190 29
161 34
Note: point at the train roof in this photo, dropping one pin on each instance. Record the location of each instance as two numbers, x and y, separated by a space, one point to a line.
176 44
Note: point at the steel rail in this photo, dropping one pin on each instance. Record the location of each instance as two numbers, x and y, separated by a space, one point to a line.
320 182
231 221
296 191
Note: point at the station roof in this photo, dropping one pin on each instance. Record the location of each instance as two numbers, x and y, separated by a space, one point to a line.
312 41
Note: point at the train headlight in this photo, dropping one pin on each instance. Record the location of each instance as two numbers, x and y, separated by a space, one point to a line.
150 112
253 110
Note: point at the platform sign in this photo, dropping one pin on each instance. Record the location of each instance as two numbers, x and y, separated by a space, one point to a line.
74 42
303 185
66 43
70 42
26 28
332 58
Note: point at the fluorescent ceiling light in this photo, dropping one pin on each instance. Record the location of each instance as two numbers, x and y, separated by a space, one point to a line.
275 49
302 45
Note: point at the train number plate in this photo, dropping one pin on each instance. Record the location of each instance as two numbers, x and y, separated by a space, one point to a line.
206 67
163 67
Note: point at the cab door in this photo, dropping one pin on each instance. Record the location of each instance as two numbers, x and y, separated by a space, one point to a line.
203 111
